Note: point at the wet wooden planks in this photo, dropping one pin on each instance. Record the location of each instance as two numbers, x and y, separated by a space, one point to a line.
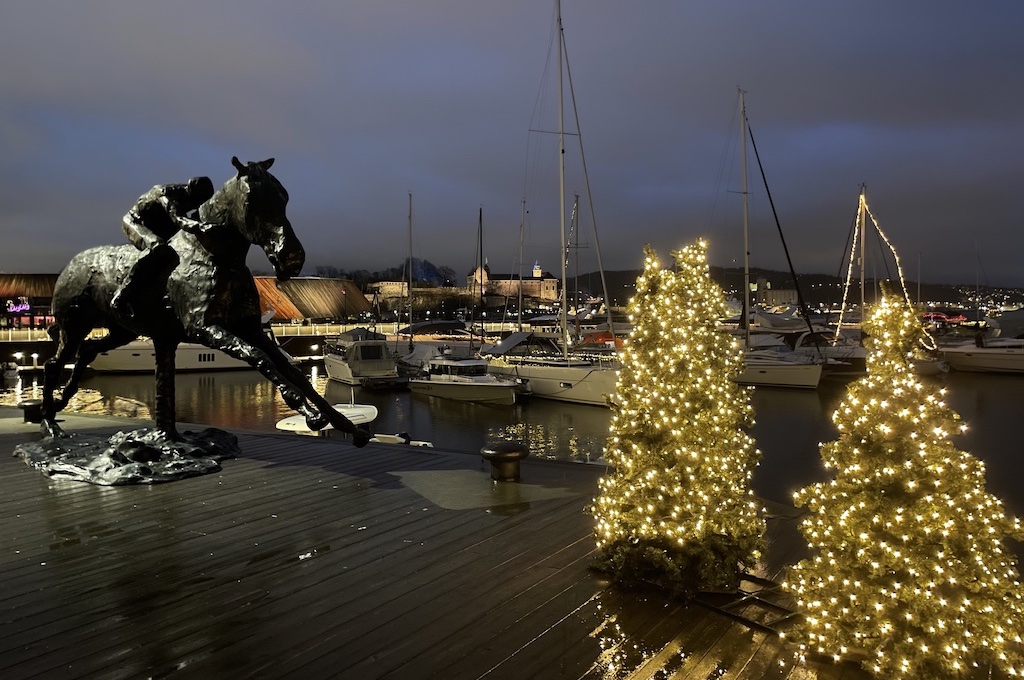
307 557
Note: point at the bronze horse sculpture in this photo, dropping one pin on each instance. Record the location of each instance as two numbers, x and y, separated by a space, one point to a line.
210 298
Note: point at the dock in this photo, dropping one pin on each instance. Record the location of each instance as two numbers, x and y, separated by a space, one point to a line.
307 557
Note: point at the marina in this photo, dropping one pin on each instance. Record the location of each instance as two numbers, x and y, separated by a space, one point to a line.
789 423
252 432
306 554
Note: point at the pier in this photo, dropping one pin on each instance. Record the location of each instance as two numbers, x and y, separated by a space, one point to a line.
307 557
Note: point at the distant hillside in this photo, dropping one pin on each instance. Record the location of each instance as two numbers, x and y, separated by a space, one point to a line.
816 288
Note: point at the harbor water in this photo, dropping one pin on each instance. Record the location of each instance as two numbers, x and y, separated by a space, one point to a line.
790 423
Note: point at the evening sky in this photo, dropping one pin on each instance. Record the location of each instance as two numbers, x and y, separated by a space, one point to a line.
364 102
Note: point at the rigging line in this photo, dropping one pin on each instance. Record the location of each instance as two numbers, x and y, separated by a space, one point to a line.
928 342
590 196
725 165
849 269
785 248
532 166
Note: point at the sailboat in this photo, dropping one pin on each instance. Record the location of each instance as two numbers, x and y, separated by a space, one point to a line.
766 367
545 366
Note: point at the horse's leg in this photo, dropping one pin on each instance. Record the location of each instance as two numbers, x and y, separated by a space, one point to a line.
68 342
252 346
87 353
166 420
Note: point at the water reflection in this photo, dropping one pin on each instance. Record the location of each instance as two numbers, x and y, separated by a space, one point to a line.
86 400
992 407
552 430
788 426
789 423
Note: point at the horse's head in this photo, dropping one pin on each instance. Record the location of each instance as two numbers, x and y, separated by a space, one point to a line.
254 202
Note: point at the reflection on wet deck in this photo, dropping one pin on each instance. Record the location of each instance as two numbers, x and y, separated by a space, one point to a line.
309 558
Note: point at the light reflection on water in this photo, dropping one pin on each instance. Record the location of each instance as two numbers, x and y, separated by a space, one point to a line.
246 400
789 423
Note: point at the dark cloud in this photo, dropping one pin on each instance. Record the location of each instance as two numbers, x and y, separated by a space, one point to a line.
363 102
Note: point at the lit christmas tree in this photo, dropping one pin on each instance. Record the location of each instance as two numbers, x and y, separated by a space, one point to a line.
677 510
908 572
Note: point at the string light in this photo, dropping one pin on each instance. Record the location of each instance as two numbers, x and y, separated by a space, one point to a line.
926 343
908 571
677 509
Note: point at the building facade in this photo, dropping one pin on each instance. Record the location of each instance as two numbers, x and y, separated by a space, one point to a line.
541 285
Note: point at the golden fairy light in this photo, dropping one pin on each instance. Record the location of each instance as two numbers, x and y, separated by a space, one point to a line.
677 509
908 571
925 341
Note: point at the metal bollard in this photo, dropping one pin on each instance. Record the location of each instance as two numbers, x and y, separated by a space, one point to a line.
504 458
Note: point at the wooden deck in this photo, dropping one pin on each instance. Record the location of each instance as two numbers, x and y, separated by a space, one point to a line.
309 558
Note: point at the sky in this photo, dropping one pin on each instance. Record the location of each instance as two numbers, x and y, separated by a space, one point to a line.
366 103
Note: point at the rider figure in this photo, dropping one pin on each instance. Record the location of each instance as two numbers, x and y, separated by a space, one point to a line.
155 218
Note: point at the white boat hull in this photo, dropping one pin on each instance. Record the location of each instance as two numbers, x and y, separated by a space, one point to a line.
338 369
592 385
780 374
498 393
138 356
985 359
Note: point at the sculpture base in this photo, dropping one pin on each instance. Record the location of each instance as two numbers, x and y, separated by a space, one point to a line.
144 456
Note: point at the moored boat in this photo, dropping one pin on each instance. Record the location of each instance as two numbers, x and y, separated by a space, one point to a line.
465 380
139 356
768 368
550 374
368 363
998 355
554 372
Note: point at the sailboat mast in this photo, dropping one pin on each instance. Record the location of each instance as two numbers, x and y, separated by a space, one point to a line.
522 230
561 181
483 308
574 229
410 272
746 244
862 225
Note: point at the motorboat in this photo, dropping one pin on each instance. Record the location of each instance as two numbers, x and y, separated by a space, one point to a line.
368 363
139 356
549 374
996 355
772 368
465 379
